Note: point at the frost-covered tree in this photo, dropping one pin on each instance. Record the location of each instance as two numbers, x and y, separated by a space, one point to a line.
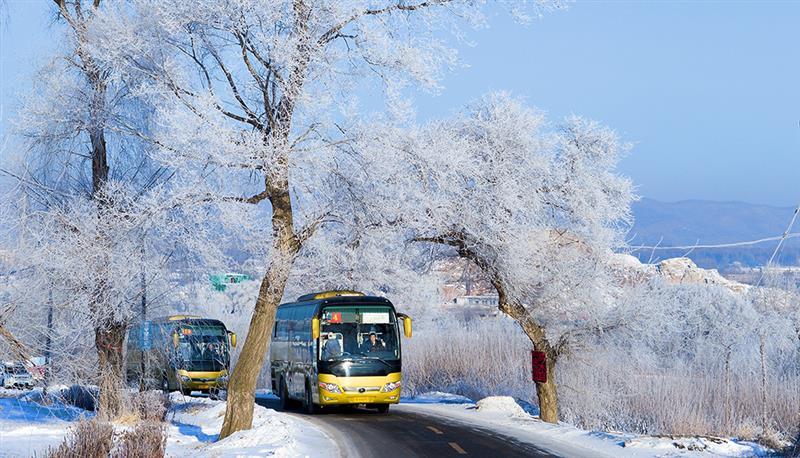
261 93
537 210
88 197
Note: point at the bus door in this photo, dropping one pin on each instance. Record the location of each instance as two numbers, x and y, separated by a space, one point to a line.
294 377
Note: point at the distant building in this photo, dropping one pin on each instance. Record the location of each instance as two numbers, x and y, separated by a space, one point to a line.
221 281
476 301
475 306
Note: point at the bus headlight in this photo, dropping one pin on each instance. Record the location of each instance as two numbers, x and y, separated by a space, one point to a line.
330 387
222 380
391 386
185 379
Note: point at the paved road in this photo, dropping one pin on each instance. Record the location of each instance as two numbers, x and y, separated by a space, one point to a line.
401 433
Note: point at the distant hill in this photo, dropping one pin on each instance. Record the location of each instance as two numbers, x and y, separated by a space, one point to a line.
705 222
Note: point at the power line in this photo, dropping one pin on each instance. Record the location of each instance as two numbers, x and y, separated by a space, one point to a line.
786 235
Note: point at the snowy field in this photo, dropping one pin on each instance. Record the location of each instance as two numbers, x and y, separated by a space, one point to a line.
27 428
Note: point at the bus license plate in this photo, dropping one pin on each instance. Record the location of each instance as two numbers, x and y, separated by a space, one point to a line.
360 400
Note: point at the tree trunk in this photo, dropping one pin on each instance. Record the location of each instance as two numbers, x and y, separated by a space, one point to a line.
727 419
242 384
109 339
546 392
762 353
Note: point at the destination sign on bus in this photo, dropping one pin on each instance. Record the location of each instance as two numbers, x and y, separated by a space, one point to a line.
363 315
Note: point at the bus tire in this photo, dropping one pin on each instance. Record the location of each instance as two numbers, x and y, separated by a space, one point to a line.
165 385
308 403
283 395
382 408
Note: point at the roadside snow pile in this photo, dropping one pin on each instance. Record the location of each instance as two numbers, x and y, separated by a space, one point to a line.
194 426
437 397
501 404
28 428
708 445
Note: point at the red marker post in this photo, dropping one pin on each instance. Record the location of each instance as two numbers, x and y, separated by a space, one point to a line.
539 366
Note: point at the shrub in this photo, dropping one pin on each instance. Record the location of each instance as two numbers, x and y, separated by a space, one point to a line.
147 440
150 406
88 439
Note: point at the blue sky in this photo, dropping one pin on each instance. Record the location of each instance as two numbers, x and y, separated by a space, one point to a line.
708 92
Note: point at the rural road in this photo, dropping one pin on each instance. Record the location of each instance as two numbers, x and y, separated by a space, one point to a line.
403 432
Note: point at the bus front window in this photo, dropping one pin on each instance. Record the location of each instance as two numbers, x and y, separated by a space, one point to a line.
203 349
368 332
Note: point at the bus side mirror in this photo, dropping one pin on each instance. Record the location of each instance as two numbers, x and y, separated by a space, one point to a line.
407 326
315 328
233 339
175 340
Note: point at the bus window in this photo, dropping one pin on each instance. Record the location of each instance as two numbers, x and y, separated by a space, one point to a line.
361 332
331 346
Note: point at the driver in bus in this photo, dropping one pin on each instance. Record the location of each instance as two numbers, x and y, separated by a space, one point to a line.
373 344
332 348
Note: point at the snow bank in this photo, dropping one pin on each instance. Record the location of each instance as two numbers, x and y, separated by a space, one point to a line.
699 446
194 426
501 404
437 397
28 428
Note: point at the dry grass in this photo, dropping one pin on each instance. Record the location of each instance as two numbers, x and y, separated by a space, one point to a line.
88 439
147 440
608 388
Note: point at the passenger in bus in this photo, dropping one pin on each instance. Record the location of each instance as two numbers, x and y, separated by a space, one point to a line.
331 348
373 344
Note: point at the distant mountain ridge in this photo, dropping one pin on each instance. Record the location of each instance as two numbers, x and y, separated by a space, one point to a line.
705 222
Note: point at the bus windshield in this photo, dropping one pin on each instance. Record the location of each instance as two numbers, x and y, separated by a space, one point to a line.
202 348
358 332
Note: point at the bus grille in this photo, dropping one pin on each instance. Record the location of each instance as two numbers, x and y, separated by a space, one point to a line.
358 389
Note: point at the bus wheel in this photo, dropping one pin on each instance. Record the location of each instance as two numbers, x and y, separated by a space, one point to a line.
283 395
165 385
382 408
309 405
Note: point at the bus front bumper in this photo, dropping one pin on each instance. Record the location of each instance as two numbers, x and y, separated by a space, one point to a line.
335 390
191 381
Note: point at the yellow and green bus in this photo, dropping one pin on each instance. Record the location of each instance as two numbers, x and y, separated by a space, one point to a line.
181 352
338 348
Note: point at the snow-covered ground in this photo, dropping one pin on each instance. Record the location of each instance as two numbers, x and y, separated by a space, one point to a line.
194 424
504 415
28 428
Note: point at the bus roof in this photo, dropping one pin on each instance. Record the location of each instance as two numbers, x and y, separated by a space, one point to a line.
189 319
339 300
327 294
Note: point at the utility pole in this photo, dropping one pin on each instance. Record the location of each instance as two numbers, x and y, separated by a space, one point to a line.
143 284
48 344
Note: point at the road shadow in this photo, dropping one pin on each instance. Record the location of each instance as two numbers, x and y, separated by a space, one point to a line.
272 402
193 430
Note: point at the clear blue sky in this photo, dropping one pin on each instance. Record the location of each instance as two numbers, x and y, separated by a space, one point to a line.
709 93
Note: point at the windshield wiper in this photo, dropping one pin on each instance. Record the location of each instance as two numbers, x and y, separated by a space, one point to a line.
380 359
